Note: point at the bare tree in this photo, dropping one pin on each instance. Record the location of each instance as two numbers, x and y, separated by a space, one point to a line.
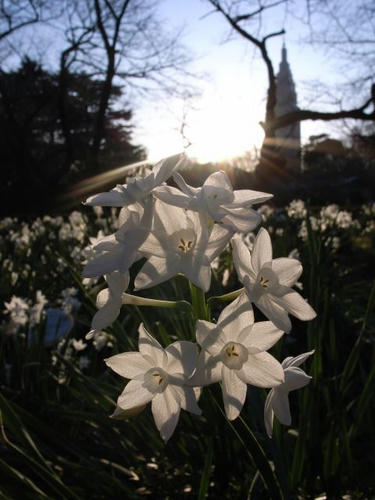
346 31
120 43
248 24
17 14
123 42
78 32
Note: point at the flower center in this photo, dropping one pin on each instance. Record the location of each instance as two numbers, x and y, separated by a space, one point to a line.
233 355
183 240
156 380
185 245
265 283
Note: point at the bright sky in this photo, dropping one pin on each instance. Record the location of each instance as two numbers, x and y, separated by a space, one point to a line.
223 121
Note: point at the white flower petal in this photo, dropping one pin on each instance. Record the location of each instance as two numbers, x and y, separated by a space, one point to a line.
182 357
198 271
219 180
219 238
268 413
130 215
105 263
298 360
274 312
185 188
90 334
208 371
241 258
236 316
242 220
262 250
106 244
149 346
153 246
155 271
234 393
295 378
166 412
246 197
262 370
261 337
112 198
117 282
165 168
280 406
296 305
172 196
169 219
134 395
102 298
210 337
186 398
287 270
106 315
128 364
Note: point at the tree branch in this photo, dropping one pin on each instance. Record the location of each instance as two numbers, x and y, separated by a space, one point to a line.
261 45
305 114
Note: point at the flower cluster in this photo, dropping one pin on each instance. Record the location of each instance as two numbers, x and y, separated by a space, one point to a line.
182 230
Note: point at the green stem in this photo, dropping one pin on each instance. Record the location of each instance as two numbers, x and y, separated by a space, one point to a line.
198 299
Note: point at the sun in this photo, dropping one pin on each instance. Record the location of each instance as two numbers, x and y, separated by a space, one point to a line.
220 126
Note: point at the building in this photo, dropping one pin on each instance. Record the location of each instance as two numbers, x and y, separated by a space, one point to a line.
288 139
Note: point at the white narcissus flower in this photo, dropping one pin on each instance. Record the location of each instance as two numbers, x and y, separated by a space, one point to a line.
109 302
268 281
158 375
234 352
217 200
139 189
78 345
277 402
120 250
179 242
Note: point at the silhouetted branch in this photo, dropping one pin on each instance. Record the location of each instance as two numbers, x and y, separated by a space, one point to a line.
305 114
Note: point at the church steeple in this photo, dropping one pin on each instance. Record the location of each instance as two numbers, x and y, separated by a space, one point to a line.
286 91
288 138
283 54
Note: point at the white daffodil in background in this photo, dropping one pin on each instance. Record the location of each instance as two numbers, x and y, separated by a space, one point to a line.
179 242
139 189
217 200
109 302
158 375
234 352
268 281
120 250
277 402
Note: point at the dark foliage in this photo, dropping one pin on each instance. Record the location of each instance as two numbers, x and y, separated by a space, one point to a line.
331 173
46 133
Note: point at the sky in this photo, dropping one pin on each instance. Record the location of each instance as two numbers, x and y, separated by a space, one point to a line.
223 121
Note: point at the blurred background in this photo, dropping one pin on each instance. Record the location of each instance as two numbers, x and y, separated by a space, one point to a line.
278 93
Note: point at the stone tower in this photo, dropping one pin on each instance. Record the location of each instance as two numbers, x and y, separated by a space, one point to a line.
288 139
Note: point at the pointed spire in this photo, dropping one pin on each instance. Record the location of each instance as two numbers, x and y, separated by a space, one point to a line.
288 138
283 54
